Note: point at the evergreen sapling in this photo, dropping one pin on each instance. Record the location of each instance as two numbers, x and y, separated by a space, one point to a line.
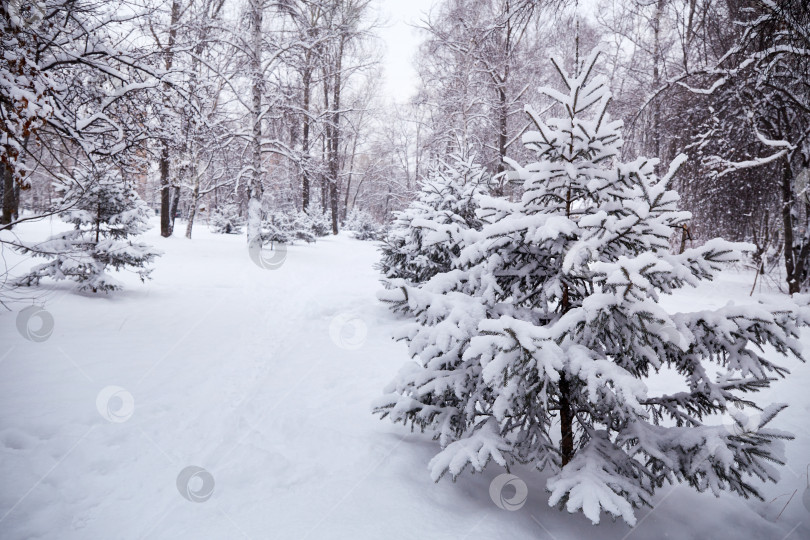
226 220
105 212
426 238
535 346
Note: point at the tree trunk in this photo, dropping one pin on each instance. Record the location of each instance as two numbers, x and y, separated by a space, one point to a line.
165 196
307 81
8 196
334 153
657 60
566 412
192 211
684 238
324 195
349 178
255 188
502 125
788 204
566 422
175 204
98 222
17 189
387 202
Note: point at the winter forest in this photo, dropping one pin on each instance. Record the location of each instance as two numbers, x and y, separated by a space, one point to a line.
561 248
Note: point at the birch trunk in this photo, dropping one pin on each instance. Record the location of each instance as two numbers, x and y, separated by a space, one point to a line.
255 188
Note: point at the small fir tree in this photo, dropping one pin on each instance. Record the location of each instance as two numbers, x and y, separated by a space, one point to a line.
535 348
362 225
319 223
226 220
287 227
106 211
426 238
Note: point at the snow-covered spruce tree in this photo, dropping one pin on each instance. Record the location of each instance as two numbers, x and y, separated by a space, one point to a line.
536 347
362 225
287 227
105 211
319 223
426 237
226 220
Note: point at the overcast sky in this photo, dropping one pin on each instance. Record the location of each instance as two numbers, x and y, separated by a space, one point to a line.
401 43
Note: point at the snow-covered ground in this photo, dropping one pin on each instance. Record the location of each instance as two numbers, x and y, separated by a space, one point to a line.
263 380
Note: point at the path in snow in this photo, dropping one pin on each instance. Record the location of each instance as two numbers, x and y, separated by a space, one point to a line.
264 379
